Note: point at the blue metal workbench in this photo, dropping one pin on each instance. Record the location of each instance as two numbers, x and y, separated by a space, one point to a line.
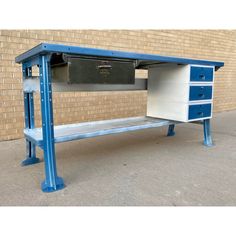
48 135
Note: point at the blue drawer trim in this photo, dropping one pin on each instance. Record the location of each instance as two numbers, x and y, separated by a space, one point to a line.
200 93
199 111
201 74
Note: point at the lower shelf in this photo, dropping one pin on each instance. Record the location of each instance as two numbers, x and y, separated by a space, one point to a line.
64 133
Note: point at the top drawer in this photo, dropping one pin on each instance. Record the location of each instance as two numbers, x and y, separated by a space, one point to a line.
90 70
201 74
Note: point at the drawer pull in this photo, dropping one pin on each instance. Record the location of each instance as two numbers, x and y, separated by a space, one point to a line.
104 67
200 113
201 95
203 77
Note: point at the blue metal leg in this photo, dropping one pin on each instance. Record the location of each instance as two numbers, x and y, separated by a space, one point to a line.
207 133
52 182
171 130
29 122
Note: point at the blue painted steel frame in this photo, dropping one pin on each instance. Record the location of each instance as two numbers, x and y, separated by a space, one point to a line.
207 133
29 121
52 181
206 130
45 48
171 130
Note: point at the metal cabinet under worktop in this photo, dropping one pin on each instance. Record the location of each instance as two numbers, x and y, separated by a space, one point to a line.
179 90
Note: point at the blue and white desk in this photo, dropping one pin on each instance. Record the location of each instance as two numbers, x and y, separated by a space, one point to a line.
179 90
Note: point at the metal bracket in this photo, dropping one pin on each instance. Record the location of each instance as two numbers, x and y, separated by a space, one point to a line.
31 85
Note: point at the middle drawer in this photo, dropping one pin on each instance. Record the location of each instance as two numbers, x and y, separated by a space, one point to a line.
200 93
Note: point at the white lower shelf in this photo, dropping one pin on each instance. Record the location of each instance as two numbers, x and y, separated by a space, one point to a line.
64 133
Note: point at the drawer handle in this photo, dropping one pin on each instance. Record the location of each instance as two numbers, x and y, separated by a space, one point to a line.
104 67
201 95
200 113
203 77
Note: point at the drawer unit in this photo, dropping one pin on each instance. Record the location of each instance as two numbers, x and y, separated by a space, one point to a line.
82 70
201 74
200 92
180 92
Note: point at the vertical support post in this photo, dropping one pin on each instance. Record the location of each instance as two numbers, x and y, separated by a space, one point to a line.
29 120
207 133
171 130
52 182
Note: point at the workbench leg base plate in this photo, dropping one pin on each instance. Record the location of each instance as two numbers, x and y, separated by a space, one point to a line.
48 189
30 161
171 134
208 144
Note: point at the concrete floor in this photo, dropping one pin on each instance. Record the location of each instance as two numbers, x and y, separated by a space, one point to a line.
143 168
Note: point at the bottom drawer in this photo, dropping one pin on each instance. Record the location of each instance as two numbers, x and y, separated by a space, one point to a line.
199 111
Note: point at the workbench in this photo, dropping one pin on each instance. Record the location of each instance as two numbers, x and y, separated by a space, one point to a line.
178 90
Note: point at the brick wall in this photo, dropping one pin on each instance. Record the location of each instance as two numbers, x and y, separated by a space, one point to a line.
82 106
